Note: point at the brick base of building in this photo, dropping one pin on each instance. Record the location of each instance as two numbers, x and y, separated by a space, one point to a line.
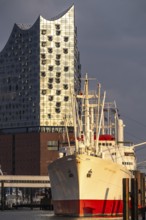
28 153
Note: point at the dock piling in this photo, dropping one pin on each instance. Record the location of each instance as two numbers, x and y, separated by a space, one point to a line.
134 199
3 197
125 199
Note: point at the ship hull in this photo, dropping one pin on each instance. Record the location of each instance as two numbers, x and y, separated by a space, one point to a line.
85 185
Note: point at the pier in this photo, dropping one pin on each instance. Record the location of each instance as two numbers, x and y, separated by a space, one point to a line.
134 199
29 186
25 181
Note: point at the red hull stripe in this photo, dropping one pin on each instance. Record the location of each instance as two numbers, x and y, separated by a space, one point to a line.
88 207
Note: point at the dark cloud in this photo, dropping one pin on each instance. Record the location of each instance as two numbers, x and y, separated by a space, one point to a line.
112 44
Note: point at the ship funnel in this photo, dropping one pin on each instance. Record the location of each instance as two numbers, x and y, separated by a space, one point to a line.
121 131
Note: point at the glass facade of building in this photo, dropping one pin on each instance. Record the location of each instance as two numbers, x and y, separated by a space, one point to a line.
39 71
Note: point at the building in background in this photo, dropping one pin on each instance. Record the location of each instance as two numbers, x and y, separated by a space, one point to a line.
39 70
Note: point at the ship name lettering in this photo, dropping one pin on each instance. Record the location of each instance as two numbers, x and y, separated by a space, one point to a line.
113 171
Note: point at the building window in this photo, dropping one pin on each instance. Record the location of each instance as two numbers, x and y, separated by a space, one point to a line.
50 68
43 74
49 115
58 74
44 92
58 33
10 88
65 86
57 44
43 32
58 56
57 110
65 50
57 80
50 50
57 62
57 26
50 80
44 44
16 87
58 104
66 98
66 39
50 86
50 98
50 38
44 62
52 145
58 92
43 56
66 68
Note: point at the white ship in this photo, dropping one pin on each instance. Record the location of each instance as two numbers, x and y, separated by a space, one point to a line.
87 180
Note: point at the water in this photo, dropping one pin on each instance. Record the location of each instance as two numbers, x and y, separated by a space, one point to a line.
38 215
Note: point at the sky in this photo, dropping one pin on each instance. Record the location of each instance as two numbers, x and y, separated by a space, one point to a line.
112 45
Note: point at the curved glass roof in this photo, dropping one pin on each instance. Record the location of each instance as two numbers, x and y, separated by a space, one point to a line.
24 26
61 14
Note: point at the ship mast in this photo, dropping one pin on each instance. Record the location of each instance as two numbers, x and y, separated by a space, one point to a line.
97 118
87 119
98 129
73 101
92 126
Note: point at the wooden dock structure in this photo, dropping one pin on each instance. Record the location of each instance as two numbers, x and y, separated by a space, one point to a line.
134 199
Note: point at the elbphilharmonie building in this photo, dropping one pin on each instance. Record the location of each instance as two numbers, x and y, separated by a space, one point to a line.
39 71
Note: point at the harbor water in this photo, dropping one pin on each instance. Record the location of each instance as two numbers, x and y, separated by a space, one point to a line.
40 215
37 215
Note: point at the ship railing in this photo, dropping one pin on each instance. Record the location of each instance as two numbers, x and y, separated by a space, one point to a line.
127 143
